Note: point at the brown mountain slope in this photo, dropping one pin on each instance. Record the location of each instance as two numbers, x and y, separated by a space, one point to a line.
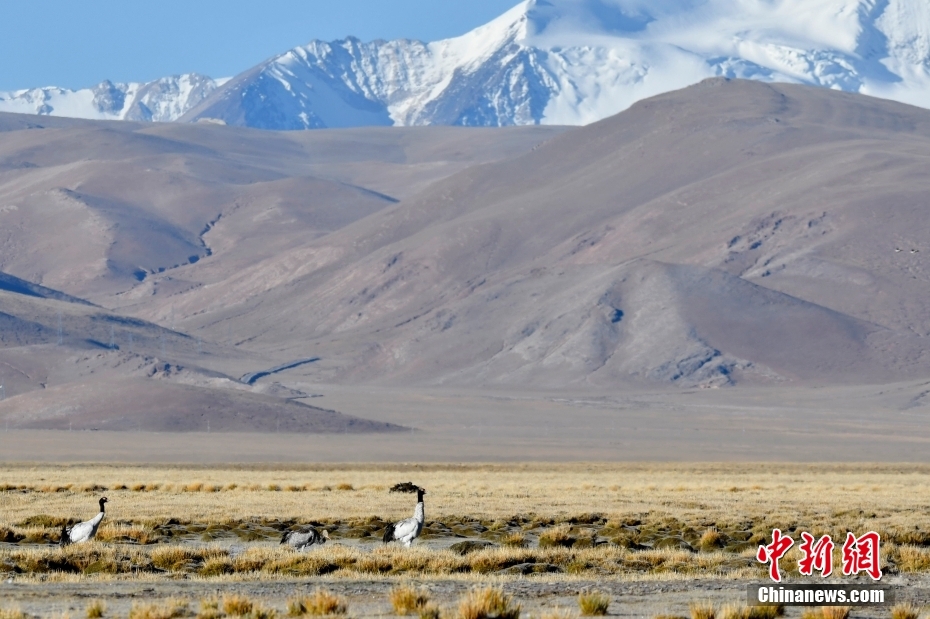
137 404
128 215
69 365
93 208
732 230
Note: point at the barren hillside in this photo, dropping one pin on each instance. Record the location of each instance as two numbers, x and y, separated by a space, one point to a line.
732 233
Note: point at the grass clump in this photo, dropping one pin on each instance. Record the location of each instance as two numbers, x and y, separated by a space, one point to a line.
593 603
12 613
559 613
772 611
702 610
237 605
556 536
95 609
320 603
489 603
514 540
172 558
711 540
430 611
835 612
733 611
769 611
133 534
167 610
209 609
905 610
913 558
407 600
43 521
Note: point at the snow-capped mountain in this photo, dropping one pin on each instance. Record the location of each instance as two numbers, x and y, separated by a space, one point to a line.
577 61
162 100
544 61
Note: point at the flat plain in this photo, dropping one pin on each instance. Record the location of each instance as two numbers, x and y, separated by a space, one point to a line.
547 530
868 423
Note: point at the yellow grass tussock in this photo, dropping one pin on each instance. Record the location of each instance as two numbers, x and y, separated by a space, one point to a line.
168 609
835 612
768 611
487 603
406 600
321 602
556 536
514 540
593 603
905 610
733 611
430 611
909 559
95 609
702 610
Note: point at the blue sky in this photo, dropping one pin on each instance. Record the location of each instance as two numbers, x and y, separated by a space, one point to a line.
78 43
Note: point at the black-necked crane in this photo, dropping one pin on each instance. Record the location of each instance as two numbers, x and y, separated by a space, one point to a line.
83 531
407 530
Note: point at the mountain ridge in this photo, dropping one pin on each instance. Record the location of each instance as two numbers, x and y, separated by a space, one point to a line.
757 192
569 62
163 100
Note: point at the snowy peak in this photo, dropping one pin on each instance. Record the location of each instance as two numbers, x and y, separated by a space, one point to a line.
577 61
567 62
162 100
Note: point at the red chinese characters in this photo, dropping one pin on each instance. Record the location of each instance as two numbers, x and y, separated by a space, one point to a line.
860 554
773 552
817 556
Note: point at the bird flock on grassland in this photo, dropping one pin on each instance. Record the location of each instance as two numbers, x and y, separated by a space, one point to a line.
403 531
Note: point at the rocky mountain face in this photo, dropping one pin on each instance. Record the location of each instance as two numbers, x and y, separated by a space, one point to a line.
569 62
574 62
162 100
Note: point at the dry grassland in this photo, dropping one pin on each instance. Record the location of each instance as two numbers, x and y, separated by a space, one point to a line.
620 520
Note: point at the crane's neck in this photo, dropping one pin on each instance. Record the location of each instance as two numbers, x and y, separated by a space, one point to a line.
102 509
418 513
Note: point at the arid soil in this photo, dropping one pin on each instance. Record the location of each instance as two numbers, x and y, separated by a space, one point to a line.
368 598
886 423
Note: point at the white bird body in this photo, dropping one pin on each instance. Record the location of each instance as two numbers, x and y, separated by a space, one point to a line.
83 531
304 538
407 530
